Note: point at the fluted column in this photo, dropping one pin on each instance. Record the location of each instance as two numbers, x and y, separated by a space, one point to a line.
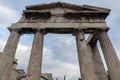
85 58
6 64
35 62
111 58
98 63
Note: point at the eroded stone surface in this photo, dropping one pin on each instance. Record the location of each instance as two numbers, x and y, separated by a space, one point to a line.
63 18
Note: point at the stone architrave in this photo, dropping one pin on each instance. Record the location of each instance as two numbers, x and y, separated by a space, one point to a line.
6 64
85 58
111 58
34 67
98 63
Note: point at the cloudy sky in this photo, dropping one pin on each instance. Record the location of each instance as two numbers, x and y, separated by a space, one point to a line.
57 59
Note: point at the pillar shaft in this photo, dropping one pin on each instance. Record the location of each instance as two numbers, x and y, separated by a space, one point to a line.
86 65
34 67
6 64
110 56
98 63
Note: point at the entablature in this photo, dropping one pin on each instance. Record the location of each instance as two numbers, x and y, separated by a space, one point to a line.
60 27
58 17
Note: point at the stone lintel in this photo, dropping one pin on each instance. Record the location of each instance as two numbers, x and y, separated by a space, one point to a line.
59 27
84 25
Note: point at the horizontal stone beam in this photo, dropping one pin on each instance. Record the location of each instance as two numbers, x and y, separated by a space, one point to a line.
82 25
59 27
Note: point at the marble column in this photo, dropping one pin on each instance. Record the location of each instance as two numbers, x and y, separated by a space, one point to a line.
98 63
84 56
35 62
111 58
6 64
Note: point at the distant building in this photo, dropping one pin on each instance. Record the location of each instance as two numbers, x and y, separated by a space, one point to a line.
12 77
16 74
19 74
46 76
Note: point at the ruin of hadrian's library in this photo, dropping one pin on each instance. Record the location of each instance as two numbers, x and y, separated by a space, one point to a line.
63 18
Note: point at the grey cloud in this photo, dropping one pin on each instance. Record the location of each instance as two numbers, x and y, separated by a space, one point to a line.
64 48
7 16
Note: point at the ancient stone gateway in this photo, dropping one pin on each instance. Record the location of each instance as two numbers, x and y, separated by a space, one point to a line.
64 18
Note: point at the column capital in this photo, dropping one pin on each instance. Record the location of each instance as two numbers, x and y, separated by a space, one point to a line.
103 30
77 31
79 34
42 31
17 30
